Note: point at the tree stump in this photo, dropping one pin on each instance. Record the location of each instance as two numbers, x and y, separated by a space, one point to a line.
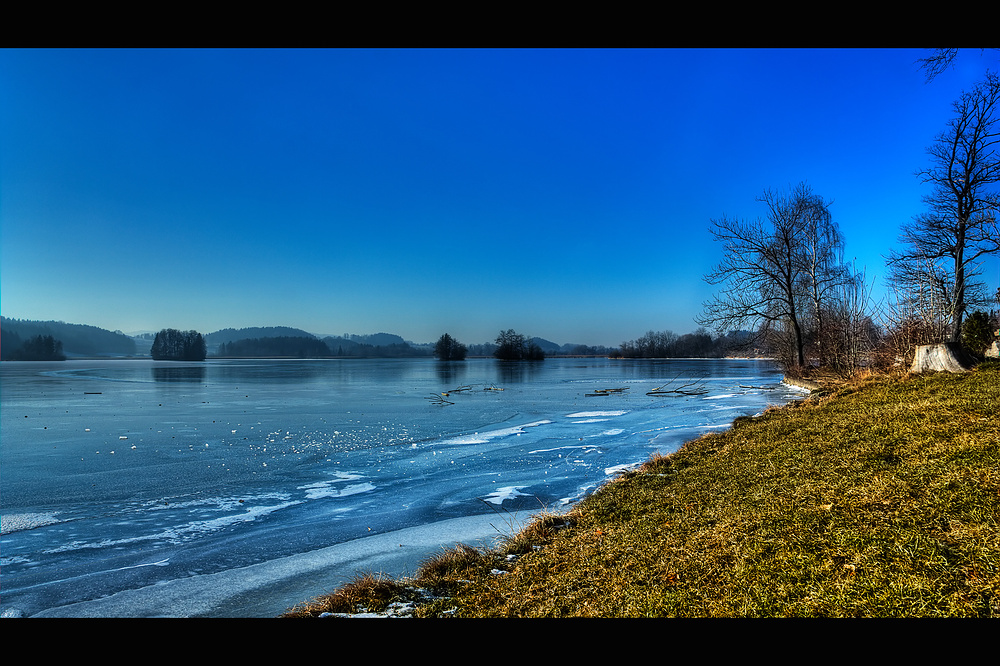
944 357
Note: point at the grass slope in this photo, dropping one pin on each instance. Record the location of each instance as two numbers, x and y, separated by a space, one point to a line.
880 499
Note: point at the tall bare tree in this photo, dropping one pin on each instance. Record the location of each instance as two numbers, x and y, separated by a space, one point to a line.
776 273
942 247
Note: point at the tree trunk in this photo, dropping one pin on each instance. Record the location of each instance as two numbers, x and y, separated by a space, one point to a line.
944 357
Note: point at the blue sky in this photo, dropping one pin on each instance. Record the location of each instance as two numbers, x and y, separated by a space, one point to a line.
562 193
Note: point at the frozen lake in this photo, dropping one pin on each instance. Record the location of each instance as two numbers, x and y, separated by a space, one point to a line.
237 488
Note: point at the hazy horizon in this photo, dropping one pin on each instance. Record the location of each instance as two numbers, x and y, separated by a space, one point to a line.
566 194
318 334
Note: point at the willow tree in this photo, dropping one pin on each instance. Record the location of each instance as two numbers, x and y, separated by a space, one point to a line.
777 273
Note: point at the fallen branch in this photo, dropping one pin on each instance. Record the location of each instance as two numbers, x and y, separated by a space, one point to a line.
601 392
683 389
439 399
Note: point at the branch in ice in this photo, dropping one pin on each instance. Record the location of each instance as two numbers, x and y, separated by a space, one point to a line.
602 392
439 399
696 387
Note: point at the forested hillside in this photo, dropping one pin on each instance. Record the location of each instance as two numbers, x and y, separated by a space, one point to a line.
77 339
296 346
227 335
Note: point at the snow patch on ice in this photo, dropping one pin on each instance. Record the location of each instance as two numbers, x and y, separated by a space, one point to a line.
500 494
486 437
324 489
16 522
180 533
583 415
590 447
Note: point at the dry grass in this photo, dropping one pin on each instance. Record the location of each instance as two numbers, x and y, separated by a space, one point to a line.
367 592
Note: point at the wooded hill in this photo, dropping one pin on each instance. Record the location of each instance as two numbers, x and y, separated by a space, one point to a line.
78 340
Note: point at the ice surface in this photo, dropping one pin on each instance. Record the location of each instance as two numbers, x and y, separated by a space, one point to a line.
240 480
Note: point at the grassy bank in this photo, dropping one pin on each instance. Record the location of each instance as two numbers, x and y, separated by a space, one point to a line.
877 499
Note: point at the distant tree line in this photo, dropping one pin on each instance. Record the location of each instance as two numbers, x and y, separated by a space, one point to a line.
586 350
699 344
481 349
391 347
173 345
37 348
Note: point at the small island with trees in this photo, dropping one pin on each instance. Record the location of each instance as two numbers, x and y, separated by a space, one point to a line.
450 349
512 346
173 345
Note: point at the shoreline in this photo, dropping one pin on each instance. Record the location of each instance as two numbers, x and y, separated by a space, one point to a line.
804 515
802 383
267 589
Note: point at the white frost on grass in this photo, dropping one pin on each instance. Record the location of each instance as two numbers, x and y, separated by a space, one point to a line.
618 469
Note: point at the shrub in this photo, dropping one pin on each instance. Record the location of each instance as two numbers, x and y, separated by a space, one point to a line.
977 333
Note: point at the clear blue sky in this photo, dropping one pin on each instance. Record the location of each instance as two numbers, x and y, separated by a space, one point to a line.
562 193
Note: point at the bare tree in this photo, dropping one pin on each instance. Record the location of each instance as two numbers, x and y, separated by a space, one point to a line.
939 60
776 273
943 247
